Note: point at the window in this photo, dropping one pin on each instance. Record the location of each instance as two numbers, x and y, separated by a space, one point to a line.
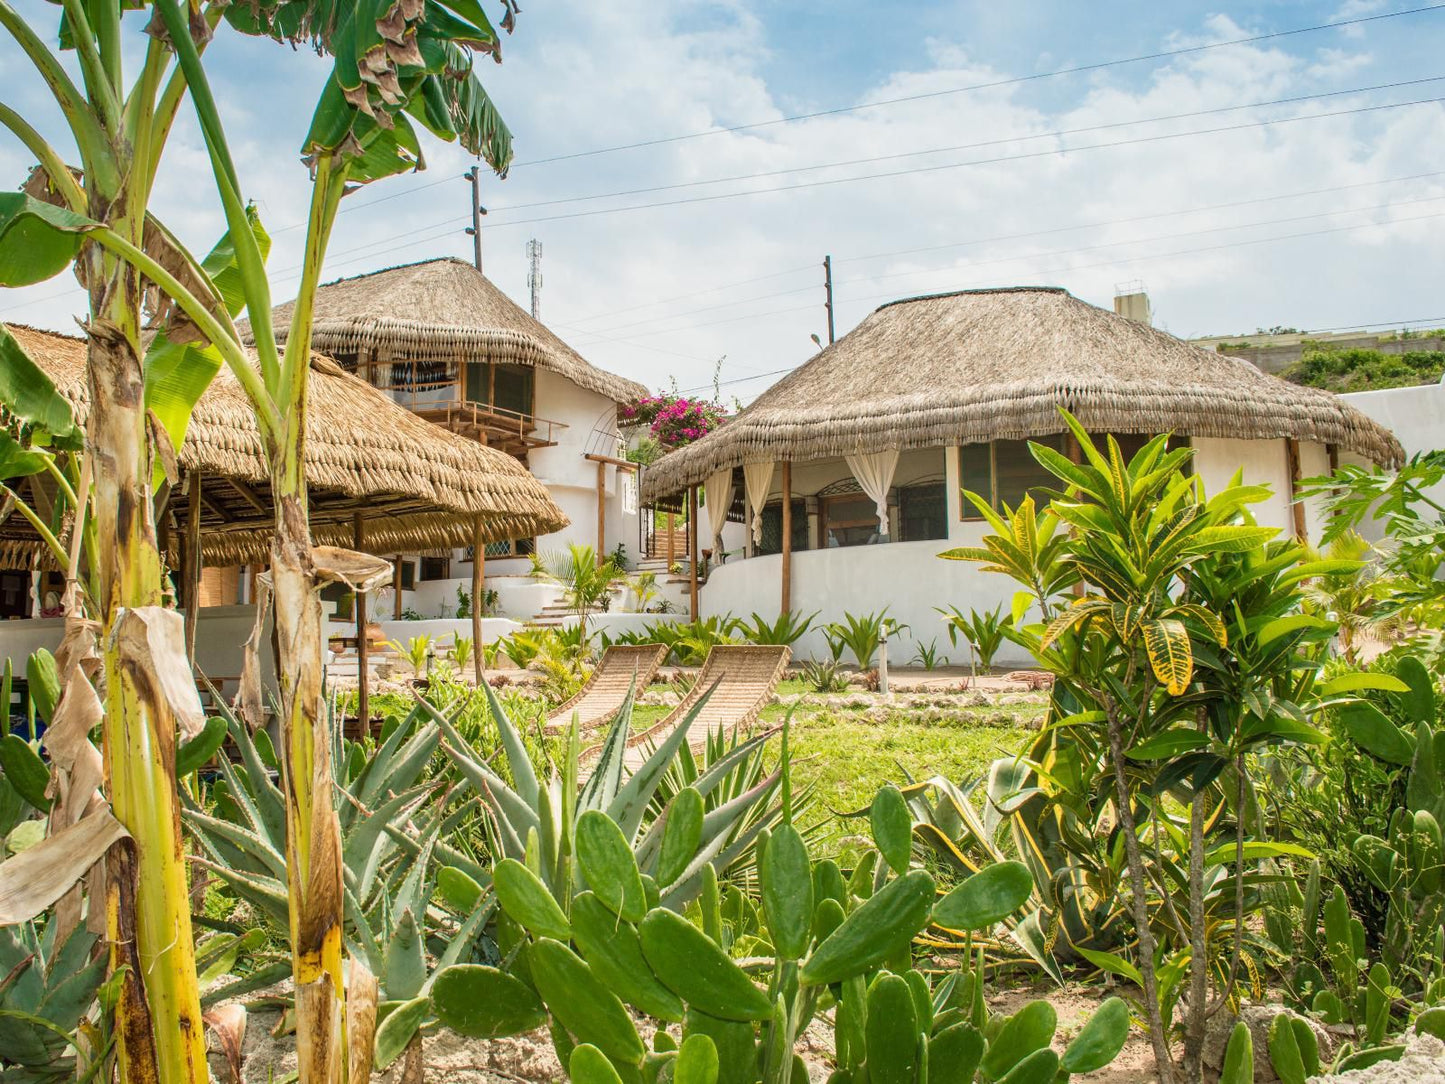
408 576
436 568
509 547
507 388
1005 471
922 512
423 383
772 541
850 520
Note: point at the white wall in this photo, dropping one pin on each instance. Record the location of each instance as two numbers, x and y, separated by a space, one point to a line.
571 478
911 580
1417 418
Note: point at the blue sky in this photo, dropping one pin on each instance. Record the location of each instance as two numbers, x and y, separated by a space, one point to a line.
1306 221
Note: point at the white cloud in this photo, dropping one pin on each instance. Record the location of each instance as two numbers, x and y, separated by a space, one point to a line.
580 76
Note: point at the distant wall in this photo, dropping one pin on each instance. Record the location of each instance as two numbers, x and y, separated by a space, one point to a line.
1275 353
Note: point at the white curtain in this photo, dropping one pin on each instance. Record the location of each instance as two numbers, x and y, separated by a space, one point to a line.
757 479
718 493
874 471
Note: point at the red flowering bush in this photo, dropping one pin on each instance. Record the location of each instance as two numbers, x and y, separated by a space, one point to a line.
674 419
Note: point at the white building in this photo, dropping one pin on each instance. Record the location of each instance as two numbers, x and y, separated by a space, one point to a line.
870 445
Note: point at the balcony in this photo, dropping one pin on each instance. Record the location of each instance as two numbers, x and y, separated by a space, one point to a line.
512 431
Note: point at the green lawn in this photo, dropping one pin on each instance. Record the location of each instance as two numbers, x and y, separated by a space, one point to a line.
847 755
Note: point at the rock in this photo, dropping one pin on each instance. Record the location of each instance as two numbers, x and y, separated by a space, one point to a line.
1258 1018
1422 1063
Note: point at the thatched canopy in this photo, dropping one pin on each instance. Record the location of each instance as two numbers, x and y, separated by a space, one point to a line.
443 310
983 365
416 486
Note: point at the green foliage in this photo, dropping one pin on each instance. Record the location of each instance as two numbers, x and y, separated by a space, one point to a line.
536 823
587 582
983 632
416 651
861 634
815 942
52 982
787 629
825 676
927 655
1358 369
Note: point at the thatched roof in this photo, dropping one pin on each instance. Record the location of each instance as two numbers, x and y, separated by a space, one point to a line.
982 365
443 309
417 486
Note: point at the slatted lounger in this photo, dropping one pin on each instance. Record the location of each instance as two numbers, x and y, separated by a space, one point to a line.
745 677
601 697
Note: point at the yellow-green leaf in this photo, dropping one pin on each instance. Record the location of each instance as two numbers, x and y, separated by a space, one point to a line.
1167 643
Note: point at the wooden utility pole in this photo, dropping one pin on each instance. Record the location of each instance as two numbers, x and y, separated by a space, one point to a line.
363 647
475 229
828 288
692 548
192 562
601 513
786 602
479 583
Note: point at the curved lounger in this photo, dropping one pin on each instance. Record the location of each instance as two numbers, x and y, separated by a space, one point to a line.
744 676
601 697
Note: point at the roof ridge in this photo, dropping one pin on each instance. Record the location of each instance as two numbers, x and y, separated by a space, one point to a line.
976 290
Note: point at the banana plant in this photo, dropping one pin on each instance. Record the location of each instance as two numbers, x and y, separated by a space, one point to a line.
831 943
724 807
393 63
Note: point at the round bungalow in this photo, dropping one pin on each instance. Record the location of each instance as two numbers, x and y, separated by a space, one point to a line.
850 470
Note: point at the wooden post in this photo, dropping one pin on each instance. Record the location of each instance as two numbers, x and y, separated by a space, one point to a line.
1297 506
671 543
479 571
601 513
692 547
786 601
363 647
192 563
396 587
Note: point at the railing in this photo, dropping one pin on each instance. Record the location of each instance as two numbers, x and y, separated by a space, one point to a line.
654 540
511 426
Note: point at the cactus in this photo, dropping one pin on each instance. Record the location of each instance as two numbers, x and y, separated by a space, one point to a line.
1238 1057
829 941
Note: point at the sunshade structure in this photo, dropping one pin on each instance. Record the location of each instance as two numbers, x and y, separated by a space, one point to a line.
443 310
407 484
980 365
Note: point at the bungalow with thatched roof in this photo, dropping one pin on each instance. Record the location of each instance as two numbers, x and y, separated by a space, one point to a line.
442 340
379 479
874 440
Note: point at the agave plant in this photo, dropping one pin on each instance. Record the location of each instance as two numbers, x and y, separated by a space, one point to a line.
788 628
536 821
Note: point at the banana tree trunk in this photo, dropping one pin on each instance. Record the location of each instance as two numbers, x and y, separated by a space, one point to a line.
313 835
147 907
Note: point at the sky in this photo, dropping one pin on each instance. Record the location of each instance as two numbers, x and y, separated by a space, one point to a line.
1294 180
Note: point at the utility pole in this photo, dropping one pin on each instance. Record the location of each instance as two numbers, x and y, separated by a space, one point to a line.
534 276
827 286
475 229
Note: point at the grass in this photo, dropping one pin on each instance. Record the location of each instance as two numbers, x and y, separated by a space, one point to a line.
846 755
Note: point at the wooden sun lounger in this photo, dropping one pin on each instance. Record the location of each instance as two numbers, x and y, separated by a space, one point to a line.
601 697
745 677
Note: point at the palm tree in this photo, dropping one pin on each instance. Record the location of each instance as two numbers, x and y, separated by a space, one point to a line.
585 581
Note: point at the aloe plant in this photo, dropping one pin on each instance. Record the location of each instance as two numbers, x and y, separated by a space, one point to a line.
536 820
983 632
53 982
861 634
829 941
787 629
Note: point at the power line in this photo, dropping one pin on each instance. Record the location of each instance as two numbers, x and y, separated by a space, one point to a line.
1011 81
1064 267
1038 233
970 146
828 182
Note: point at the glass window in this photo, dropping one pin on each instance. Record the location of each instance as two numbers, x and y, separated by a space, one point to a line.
1016 472
772 541
479 382
922 512
975 468
512 388
408 575
509 547
850 521
436 568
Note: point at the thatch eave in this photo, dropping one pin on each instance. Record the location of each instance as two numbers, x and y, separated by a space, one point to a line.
966 367
443 309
